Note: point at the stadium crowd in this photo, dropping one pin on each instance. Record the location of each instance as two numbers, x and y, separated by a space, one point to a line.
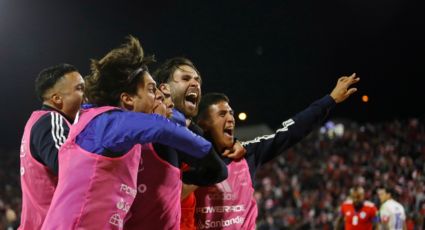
304 187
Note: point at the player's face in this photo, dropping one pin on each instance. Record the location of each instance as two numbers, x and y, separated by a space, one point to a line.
71 90
220 125
186 90
144 100
383 195
165 89
159 106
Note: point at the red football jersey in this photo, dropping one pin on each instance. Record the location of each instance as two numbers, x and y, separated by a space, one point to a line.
362 219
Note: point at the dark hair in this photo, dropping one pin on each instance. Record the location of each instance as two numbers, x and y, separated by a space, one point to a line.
164 72
116 72
390 190
49 76
208 100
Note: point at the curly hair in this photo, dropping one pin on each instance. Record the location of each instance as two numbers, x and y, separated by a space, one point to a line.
116 73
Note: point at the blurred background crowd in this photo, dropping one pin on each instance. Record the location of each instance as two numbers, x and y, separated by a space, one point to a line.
305 186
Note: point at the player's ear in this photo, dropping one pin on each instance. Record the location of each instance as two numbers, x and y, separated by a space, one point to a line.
164 86
127 101
57 100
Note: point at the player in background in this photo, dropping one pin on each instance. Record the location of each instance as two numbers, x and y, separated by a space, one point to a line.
356 212
391 213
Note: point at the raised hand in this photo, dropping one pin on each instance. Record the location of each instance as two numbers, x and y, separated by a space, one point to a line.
342 89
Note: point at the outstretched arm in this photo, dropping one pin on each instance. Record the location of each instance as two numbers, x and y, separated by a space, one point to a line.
118 131
265 148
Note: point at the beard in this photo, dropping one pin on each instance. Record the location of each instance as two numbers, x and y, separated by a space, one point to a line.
180 104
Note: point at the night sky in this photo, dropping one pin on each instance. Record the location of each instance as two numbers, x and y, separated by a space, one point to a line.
272 58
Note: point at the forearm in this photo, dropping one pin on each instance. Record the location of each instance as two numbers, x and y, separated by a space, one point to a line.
143 128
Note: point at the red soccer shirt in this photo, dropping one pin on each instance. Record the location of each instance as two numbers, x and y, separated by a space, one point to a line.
362 219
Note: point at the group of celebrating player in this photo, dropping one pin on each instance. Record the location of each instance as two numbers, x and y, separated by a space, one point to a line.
124 149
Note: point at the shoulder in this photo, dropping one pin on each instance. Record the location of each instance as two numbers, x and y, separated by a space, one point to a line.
396 205
369 204
49 120
370 207
347 202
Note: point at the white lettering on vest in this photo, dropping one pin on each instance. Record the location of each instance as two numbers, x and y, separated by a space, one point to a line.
142 188
122 205
221 223
128 190
116 220
22 149
221 209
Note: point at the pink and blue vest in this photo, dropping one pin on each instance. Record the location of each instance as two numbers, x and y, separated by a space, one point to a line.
229 204
159 185
38 182
94 191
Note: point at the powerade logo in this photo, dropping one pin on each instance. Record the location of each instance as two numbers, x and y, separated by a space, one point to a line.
221 209
220 223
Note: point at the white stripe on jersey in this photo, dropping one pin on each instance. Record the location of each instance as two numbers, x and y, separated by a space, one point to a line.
57 129
61 134
284 128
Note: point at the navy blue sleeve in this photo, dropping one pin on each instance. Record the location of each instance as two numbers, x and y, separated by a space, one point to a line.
206 171
263 149
203 171
47 136
116 132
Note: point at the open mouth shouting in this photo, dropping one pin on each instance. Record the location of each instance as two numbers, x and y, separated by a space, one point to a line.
192 98
228 131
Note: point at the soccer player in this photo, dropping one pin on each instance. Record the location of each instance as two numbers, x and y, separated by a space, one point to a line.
185 82
391 213
60 89
157 203
231 204
356 212
100 160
